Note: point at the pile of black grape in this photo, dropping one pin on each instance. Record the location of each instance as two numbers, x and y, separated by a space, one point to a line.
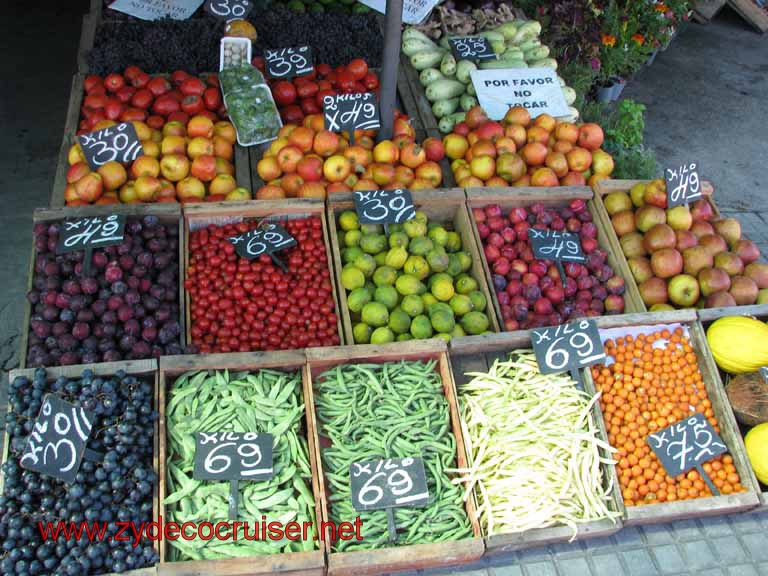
127 309
116 489
193 45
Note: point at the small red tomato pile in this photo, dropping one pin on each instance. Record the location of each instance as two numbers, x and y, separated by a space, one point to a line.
241 305
134 95
303 95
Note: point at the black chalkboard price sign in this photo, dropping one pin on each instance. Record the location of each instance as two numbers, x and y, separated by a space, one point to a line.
228 9
683 184
89 233
384 206
687 444
233 456
556 245
567 347
350 112
288 62
264 240
390 483
474 48
57 443
117 143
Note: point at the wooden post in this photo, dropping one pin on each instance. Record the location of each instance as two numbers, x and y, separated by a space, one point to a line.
392 32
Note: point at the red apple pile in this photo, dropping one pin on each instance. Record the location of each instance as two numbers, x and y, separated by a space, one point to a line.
684 256
530 292
134 95
303 95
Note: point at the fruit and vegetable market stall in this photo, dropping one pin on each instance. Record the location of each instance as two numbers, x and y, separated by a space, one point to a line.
449 325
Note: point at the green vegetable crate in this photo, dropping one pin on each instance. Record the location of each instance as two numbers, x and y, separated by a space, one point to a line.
477 354
169 214
445 207
408 393
706 317
72 125
729 431
200 215
524 197
240 392
605 187
146 370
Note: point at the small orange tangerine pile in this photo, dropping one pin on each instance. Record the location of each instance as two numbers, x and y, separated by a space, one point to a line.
646 389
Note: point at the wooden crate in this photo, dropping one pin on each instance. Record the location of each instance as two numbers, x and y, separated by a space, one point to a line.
404 102
706 317
167 213
604 188
705 10
294 563
752 13
559 196
411 557
143 368
198 215
444 206
729 432
477 354
87 37
241 160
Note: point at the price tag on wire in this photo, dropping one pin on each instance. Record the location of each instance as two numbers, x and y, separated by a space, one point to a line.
350 112
683 184
384 206
267 239
89 233
387 484
568 347
228 9
288 62
56 445
687 444
233 456
116 143
475 49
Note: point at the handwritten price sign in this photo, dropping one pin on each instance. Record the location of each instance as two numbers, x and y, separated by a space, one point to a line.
84 233
474 49
567 346
683 184
554 245
686 444
390 483
384 206
349 112
228 9
117 143
233 456
288 62
265 240
57 443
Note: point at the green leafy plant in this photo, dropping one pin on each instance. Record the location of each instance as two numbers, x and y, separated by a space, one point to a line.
580 77
628 124
638 163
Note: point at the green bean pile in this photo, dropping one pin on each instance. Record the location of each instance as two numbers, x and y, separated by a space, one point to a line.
264 401
391 410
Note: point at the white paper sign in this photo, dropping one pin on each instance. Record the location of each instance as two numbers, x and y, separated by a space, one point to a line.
157 9
536 89
414 11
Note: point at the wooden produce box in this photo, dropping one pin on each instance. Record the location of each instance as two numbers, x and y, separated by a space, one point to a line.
729 431
706 317
311 563
167 213
605 187
397 558
477 354
559 196
147 369
72 125
444 206
87 37
202 214
403 102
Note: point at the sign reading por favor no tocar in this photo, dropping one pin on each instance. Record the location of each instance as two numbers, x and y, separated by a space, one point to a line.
536 89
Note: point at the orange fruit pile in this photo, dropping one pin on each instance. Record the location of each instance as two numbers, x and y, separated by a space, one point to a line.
646 389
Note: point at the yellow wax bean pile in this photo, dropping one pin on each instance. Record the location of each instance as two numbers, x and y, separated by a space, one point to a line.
534 449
